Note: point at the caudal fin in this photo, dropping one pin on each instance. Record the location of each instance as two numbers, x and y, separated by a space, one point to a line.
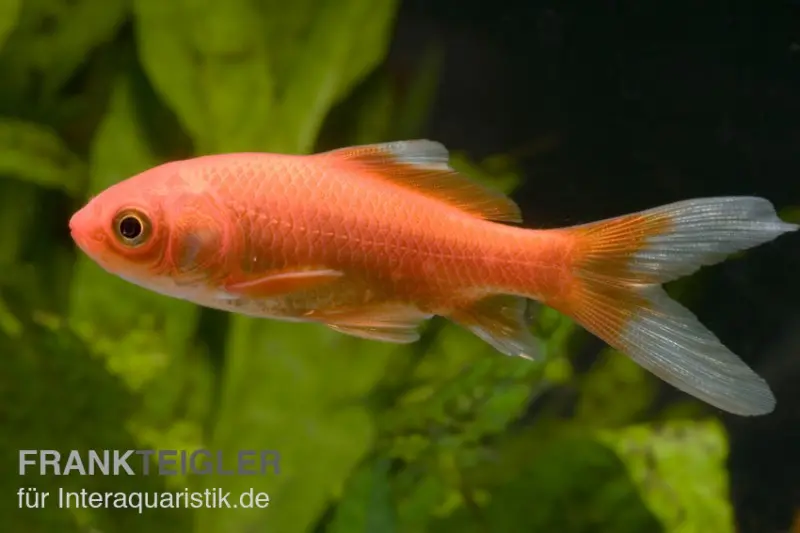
619 266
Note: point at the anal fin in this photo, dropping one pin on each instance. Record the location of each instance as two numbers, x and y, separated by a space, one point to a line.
502 321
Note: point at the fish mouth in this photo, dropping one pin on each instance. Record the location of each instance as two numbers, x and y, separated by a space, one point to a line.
81 232
80 238
90 242
75 236
74 222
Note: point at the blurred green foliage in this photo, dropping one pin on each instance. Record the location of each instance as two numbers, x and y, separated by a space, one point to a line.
443 435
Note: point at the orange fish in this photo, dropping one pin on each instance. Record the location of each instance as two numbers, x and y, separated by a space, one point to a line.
373 240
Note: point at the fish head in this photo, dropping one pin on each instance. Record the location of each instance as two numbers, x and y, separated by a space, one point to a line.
158 230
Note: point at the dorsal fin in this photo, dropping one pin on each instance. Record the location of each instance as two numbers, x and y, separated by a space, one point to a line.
423 166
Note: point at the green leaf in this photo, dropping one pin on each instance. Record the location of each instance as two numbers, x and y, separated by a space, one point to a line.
345 40
53 38
573 485
248 76
463 392
372 120
498 171
35 154
614 393
418 100
384 109
55 394
208 60
291 388
680 469
791 214
9 11
17 212
367 505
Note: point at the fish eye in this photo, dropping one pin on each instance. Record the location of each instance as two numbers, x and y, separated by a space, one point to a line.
131 227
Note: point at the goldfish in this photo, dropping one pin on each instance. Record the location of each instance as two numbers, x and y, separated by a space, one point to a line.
373 240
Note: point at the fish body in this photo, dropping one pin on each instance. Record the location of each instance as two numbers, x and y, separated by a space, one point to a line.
373 240
238 219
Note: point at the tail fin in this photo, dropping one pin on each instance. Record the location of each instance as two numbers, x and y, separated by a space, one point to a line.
619 265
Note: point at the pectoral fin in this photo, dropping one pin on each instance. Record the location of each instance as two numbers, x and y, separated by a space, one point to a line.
283 283
399 335
388 322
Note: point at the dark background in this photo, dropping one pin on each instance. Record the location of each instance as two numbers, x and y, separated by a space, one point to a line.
644 103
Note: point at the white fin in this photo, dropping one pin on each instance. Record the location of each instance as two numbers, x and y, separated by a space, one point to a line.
668 340
706 231
623 262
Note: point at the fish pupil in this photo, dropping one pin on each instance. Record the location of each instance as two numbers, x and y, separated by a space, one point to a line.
130 227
